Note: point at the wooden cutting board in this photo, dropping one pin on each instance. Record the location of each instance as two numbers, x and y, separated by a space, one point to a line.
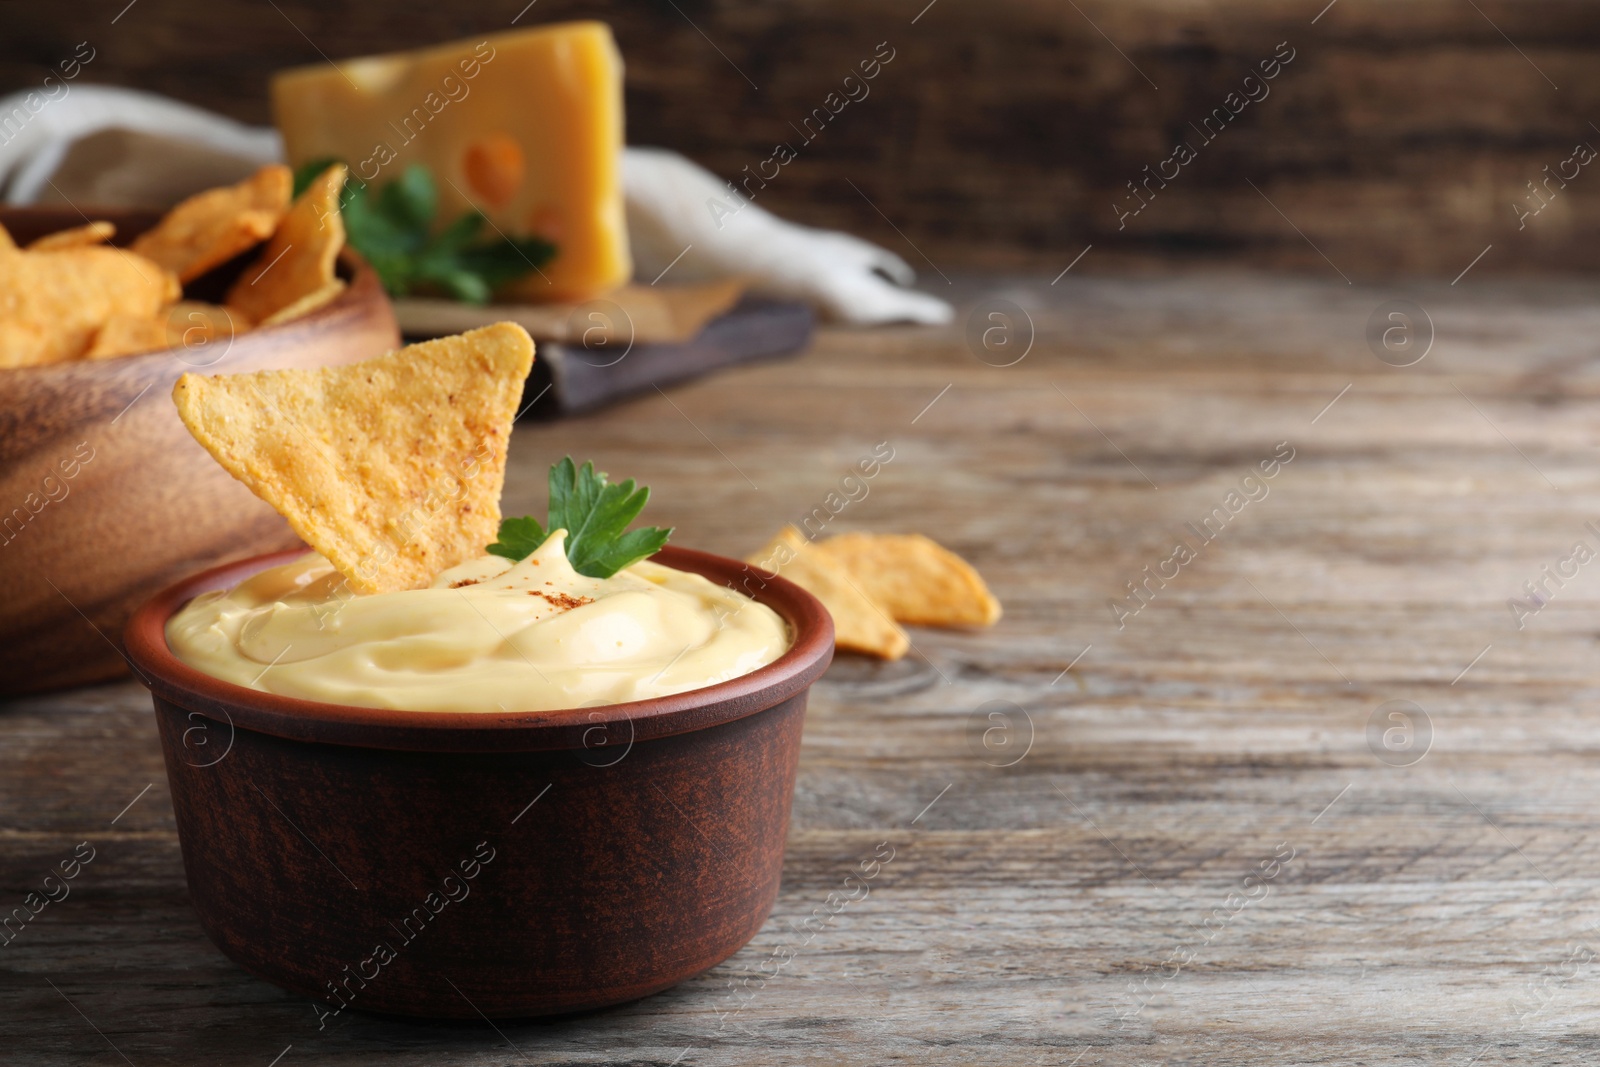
570 378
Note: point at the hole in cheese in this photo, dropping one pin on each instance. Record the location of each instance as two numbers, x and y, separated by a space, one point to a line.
376 75
495 166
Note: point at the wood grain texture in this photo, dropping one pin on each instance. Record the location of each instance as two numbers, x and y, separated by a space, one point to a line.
1398 140
144 502
1431 913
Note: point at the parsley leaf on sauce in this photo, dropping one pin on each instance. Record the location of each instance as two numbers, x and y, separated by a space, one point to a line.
595 514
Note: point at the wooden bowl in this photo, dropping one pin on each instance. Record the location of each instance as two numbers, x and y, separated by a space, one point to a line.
104 496
460 865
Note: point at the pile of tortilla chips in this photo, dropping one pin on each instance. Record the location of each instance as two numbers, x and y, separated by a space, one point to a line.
871 583
70 296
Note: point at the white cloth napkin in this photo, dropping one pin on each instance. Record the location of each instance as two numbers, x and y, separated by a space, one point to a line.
681 218
33 143
678 208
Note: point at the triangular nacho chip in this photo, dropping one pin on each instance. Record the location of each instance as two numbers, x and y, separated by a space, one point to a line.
391 468
212 227
300 258
6 242
85 236
859 624
918 580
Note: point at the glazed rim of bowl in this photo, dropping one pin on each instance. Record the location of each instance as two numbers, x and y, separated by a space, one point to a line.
297 719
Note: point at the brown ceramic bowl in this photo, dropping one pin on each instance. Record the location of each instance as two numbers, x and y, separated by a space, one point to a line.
144 504
509 865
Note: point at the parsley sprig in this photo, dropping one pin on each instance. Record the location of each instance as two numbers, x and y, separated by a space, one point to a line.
393 230
595 515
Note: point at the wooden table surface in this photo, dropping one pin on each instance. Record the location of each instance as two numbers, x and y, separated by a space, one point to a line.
1198 836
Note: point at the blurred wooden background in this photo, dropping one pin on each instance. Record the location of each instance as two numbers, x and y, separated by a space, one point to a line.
1400 139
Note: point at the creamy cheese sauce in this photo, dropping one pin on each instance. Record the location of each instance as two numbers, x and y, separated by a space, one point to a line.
489 635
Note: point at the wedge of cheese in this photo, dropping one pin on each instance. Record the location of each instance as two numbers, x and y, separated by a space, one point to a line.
525 126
